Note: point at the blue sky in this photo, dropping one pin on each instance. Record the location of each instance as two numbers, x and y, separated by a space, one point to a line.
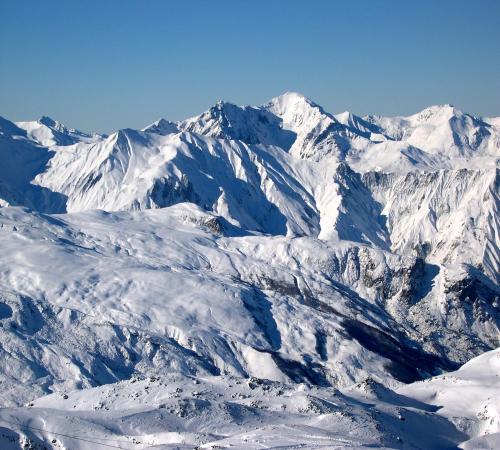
108 64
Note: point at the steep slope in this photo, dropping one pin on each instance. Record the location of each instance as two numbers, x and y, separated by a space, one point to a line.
274 158
265 169
142 170
21 161
247 124
446 216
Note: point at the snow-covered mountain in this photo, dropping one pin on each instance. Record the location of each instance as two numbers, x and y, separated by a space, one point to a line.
278 242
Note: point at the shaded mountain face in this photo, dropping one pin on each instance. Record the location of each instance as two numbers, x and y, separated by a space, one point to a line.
247 124
21 161
275 241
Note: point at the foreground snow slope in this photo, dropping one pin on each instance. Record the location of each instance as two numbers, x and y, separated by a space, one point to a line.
469 398
175 411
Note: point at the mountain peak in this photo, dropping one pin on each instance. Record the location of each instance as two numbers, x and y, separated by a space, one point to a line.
344 117
445 111
290 99
223 108
53 124
249 124
162 127
47 121
299 114
293 95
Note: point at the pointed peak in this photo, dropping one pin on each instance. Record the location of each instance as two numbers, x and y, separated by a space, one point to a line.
121 137
296 110
219 105
222 106
344 117
349 119
162 127
122 132
446 110
290 98
227 113
294 95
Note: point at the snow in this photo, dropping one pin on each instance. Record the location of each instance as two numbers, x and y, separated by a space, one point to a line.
222 411
163 274
469 397
252 277
162 127
48 132
494 121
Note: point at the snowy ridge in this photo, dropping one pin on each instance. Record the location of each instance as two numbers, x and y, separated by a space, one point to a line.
48 132
301 258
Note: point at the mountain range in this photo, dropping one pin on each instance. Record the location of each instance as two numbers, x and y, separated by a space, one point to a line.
337 259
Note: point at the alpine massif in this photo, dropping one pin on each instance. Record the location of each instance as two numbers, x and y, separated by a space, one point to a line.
252 277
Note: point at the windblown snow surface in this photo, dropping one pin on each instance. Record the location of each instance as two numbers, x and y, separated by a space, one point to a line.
268 276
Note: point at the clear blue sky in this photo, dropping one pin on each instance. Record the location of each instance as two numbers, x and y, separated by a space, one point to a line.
108 64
